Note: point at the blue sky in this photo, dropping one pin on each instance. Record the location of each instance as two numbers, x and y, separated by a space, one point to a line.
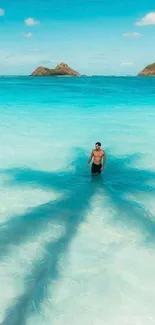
92 36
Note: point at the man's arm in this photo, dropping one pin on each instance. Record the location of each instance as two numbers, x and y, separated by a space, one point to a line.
104 160
104 157
90 158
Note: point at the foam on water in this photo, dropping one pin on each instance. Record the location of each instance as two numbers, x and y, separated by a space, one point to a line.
76 249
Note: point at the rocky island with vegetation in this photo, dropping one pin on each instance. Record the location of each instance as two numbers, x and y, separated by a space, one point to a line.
149 70
61 69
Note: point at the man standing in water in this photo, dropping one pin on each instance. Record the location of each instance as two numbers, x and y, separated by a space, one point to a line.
97 154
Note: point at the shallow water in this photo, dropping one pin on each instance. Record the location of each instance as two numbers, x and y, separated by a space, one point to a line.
76 249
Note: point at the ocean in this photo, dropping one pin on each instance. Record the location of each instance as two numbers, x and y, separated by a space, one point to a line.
77 249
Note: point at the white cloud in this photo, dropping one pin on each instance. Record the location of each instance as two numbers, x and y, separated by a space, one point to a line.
2 12
47 61
132 35
148 19
126 64
27 35
31 22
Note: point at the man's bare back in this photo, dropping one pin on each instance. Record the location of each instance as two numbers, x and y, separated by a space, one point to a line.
97 155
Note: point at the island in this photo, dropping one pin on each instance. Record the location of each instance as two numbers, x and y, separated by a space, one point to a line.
61 69
149 70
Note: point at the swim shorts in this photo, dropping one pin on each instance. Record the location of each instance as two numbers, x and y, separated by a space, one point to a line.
96 169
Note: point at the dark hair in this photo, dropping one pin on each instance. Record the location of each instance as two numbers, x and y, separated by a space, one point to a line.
98 143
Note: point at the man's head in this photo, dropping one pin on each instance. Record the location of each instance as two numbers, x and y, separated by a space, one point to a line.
98 145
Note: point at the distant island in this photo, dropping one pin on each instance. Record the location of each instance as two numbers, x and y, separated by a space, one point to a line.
149 70
61 69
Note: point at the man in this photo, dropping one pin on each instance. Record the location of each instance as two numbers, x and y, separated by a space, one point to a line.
97 154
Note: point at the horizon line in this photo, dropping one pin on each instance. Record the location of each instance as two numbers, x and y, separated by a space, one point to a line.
66 76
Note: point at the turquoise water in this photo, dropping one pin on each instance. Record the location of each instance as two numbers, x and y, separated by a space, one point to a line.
74 249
